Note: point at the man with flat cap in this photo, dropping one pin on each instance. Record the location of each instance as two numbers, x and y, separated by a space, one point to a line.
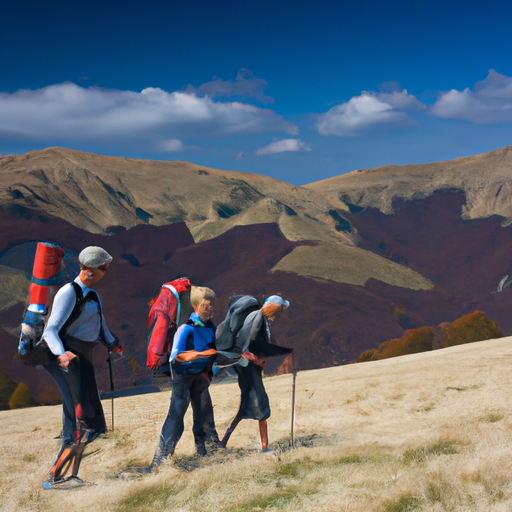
75 326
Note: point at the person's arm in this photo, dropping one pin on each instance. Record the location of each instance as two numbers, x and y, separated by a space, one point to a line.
183 340
109 337
63 305
192 355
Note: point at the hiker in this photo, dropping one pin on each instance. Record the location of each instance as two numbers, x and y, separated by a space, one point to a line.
75 325
169 309
254 342
192 357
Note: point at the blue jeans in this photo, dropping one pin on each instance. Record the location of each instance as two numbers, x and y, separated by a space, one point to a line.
186 388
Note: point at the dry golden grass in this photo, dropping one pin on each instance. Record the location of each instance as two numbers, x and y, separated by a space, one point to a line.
429 431
352 265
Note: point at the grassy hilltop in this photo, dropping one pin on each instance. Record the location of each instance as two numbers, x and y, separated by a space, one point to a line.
430 431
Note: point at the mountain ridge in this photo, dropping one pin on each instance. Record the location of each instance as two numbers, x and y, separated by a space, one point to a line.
485 179
96 193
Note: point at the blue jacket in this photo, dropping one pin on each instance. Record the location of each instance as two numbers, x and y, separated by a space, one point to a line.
193 335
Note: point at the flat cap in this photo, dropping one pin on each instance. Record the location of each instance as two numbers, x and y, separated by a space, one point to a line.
93 257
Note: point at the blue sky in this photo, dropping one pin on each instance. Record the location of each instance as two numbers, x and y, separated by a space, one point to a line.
296 90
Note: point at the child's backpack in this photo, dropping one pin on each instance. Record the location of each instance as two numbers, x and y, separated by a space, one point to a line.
168 310
240 306
45 281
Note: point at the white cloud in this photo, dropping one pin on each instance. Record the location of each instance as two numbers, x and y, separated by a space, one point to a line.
368 111
489 102
69 113
282 146
172 145
245 85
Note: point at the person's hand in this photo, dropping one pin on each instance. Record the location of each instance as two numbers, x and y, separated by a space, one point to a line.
253 358
209 352
65 358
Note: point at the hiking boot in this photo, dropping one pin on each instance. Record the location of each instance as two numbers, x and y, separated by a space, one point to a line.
201 449
160 456
94 434
212 441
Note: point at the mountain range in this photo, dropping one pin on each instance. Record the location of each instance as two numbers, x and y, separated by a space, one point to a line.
361 257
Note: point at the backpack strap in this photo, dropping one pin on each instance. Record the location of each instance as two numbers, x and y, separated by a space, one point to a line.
78 308
177 296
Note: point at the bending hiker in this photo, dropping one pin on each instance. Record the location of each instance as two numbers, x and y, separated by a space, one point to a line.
191 359
253 341
75 325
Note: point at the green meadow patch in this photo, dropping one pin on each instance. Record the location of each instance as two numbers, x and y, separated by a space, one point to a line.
145 499
425 452
405 503
492 417
277 499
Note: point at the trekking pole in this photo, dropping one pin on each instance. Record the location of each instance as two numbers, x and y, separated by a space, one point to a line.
111 388
294 373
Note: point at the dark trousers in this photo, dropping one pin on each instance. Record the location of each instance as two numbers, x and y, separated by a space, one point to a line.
186 388
79 376
254 402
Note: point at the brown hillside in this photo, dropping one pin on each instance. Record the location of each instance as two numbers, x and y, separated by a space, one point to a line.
423 265
329 323
485 180
96 192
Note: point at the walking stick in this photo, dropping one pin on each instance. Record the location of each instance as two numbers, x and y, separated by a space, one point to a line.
111 388
294 372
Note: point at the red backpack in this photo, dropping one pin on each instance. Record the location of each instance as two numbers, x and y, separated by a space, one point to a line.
165 316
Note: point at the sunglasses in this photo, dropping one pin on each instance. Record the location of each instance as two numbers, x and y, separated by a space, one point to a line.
103 267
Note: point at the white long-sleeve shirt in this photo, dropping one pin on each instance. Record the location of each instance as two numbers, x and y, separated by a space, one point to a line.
86 327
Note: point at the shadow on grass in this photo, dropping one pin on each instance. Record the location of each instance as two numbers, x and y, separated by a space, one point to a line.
188 463
221 456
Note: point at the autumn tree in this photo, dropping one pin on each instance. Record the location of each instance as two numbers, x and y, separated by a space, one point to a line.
22 397
7 387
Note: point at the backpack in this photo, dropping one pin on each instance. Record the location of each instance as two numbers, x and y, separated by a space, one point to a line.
45 280
240 306
168 310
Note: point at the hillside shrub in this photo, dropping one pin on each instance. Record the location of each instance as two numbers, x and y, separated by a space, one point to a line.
412 342
7 387
22 397
475 326
367 356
